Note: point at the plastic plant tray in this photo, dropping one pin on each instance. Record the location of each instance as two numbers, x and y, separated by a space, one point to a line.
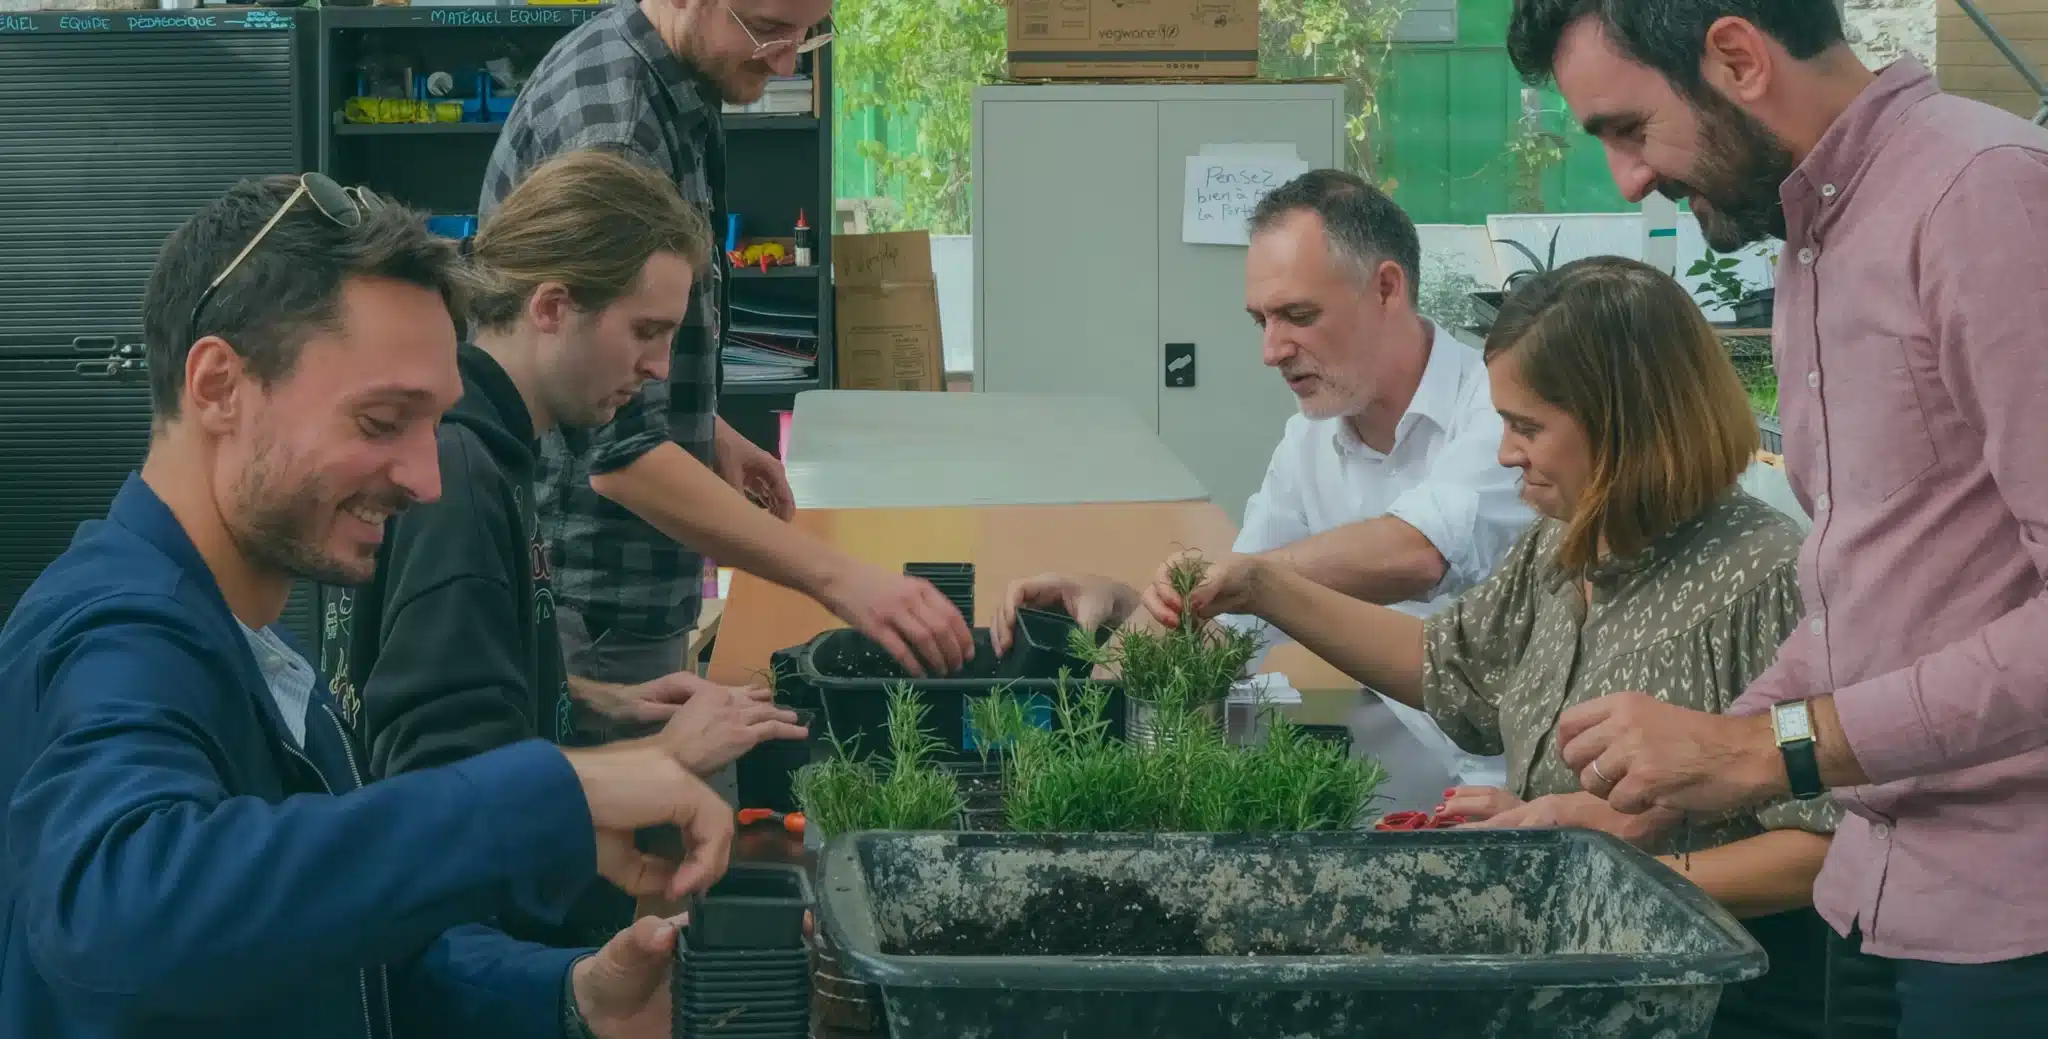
1564 934
845 677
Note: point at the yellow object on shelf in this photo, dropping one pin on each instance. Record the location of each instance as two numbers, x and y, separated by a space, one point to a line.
393 110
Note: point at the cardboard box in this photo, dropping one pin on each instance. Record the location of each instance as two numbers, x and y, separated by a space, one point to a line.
1134 39
888 312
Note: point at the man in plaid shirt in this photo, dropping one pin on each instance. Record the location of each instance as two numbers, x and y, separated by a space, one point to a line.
629 507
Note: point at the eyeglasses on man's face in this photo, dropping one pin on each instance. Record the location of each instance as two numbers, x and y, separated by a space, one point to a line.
803 40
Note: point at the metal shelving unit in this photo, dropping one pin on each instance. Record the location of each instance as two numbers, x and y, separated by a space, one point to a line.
778 164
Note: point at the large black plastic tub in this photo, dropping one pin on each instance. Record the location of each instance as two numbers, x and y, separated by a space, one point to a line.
845 677
1561 934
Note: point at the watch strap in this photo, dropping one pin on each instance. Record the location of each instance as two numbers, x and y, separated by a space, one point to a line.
1802 769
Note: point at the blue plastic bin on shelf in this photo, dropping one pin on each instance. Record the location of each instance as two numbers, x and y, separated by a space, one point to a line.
1562 934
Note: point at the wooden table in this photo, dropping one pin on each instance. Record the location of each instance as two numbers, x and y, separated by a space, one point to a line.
1125 541
867 449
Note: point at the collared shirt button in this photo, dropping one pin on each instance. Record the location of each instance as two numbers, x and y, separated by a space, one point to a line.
1827 191
1806 255
1813 380
1822 503
1817 626
1880 831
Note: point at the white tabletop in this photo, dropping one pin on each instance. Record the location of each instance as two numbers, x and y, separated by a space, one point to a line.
877 449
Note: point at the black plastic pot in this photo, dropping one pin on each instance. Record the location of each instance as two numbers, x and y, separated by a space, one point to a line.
766 773
955 581
1755 310
743 968
754 906
753 994
1565 934
845 677
1772 436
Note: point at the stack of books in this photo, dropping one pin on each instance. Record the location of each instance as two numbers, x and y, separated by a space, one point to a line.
770 343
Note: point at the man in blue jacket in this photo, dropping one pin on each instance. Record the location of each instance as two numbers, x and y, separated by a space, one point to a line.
189 850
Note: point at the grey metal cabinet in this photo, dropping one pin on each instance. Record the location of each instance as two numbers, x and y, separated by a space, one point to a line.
1081 275
115 126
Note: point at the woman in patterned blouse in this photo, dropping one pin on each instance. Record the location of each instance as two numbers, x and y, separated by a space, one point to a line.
1648 570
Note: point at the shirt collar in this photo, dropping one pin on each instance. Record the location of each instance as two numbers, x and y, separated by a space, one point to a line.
1860 132
1666 546
1435 400
693 97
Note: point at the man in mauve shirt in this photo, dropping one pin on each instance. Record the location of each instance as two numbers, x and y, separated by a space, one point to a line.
1912 349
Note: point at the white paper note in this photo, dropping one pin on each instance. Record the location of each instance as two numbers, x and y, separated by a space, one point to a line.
1224 185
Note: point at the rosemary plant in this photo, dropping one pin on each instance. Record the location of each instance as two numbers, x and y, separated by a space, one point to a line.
909 792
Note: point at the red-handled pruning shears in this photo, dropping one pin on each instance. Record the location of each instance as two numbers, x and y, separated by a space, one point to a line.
793 821
1402 821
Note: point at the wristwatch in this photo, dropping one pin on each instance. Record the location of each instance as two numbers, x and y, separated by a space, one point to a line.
1792 721
573 1024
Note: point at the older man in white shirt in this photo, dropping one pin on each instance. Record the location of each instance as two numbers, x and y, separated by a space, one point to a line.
1387 486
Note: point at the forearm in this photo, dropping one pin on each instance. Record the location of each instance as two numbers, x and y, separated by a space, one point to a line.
1758 876
1379 647
168 924
1382 560
684 499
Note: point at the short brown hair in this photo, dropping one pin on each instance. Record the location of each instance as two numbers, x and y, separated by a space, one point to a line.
1620 347
285 290
589 220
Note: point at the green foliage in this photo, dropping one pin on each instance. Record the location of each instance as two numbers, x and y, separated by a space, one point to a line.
1349 39
1538 264
1077 780
911 792
1446 294
920 60
1188 669
1721 279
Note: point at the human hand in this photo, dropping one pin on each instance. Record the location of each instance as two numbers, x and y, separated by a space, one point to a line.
905 615
622 989
652 701
1230 584
1638 753
753 472
1091 601
1474 803
717 724
641 784
1583 811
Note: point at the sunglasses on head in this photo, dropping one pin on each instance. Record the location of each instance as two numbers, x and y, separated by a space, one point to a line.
343 207
815 38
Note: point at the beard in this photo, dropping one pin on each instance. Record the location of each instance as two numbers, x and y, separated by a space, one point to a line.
1735 185
282 530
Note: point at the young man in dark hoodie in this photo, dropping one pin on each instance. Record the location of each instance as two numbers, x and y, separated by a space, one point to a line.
584 275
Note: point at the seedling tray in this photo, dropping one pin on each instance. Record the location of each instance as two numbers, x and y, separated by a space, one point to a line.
845 677
1566 934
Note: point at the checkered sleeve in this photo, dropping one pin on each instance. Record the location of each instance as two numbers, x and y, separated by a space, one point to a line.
639 427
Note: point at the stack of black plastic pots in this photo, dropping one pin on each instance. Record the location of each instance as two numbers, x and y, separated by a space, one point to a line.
955 581
742 969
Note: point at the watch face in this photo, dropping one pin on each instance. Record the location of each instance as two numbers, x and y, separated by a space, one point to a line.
1793 722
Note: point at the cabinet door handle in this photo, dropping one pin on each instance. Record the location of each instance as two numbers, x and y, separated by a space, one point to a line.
1180 365
98 344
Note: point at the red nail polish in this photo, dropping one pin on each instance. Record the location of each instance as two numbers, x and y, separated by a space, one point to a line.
1439 810
1453 792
